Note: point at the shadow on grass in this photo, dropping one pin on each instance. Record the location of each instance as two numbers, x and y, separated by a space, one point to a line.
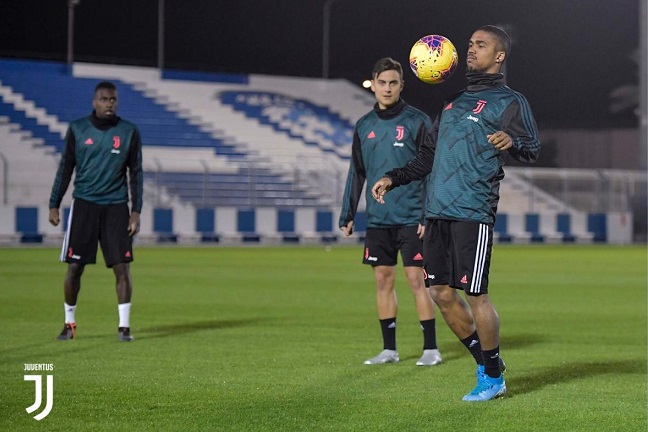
51 348
183 328
78 345
449 353
523 384
455 350
519 341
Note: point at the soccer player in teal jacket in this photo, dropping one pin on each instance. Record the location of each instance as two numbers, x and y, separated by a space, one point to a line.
105 152
386 137
464 156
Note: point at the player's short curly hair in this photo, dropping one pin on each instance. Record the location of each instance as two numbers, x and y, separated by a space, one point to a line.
503 39
385 64
105 85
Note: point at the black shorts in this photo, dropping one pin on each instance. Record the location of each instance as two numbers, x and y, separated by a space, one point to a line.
458 254
89 224
382 246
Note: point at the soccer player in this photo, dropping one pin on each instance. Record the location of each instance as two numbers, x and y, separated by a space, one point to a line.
388 136
101 147
464 156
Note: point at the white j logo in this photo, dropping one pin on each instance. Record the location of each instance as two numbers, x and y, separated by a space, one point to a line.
38 381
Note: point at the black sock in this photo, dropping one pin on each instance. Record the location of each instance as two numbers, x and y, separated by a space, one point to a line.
473 345
388 327
429 334
492 362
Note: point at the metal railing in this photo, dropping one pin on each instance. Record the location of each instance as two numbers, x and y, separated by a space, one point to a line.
5 179
242 184
586 190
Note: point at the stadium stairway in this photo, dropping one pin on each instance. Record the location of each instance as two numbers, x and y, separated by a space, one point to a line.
308 163
27 167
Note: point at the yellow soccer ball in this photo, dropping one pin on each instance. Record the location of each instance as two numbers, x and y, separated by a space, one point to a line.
433 59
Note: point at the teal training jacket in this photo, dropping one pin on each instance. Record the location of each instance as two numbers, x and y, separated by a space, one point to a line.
102 152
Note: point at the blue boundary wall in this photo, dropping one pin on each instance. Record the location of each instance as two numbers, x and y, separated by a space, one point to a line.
29 224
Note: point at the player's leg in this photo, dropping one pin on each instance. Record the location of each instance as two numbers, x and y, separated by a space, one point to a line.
490 376
387 306
79 248
72 283
71 288
117 247
454 310
422 298
459 319
124 285
427 317
472 243
386 300
486 320
437 253
380 253
411 247
483 310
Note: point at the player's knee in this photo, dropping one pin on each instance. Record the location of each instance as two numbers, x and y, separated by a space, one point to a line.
443 295
481 304
385 288
418 288
385 277
121 270
75 270
478 301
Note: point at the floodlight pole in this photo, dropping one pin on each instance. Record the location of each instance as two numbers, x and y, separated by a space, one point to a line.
160 50
326 35
70 35
643 86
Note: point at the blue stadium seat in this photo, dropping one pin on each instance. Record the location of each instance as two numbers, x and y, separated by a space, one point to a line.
51 86
27 225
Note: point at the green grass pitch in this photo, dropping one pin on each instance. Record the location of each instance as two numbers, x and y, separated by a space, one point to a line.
274 338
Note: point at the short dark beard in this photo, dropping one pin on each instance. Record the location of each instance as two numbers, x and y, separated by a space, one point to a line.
107 117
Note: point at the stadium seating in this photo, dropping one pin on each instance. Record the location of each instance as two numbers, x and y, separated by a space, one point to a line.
66 97
226 157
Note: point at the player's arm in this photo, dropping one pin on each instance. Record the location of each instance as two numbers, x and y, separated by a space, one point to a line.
424 130
63 177
353 188
136 182
420 166
518 134
416 169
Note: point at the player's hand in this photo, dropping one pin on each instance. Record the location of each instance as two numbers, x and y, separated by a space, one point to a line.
420 231
133 224
54 216
379 189
347 229
500 140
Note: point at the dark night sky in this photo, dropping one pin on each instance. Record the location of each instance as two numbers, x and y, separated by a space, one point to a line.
567 56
